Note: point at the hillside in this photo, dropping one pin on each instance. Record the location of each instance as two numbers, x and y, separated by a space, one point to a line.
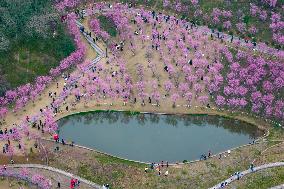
244 18
33 40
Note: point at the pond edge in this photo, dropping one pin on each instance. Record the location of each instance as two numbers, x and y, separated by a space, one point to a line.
266 133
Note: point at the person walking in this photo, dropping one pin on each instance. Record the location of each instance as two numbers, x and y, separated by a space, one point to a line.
251 167
152 165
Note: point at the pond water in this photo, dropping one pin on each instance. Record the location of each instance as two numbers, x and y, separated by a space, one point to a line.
153 138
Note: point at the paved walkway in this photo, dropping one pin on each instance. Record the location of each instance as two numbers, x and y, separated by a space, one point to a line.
278 187
259 168
56 175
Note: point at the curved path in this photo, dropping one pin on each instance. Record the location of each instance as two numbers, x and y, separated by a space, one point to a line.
56 175
259 168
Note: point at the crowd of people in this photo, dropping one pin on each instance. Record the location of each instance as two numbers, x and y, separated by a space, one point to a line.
191 73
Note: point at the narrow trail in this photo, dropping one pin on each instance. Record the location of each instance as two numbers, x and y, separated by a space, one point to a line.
246 172
278 187
56 175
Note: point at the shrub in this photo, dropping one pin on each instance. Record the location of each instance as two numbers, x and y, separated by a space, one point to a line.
107 25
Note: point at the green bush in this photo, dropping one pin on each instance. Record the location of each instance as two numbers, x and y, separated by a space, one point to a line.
107 25
246 19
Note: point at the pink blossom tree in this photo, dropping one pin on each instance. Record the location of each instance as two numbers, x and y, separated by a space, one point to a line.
174 98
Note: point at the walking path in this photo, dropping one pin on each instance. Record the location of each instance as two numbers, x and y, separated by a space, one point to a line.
56 175
235 177
278 187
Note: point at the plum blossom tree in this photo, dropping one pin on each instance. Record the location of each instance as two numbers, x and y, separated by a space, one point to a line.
11 95
183 88
156 96
3 112
188 97
41 181
227 25
203 100
198 88
220 101
166 3
241 27
168 85
174 98
271 3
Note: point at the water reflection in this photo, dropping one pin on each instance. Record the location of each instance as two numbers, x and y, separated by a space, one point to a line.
152 137
232 125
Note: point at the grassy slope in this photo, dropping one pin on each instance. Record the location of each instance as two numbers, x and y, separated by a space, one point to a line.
29 56
264 34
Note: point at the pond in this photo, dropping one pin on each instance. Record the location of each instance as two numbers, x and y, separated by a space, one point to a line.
153 138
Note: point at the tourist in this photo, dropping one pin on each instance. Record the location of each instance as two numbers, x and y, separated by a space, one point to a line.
152 165
238 175
146 169
56 149
58 185
166 173
106 186
159 173
72 183
167 164
56 138
229 152
63 142
251 167
162 163
209 154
